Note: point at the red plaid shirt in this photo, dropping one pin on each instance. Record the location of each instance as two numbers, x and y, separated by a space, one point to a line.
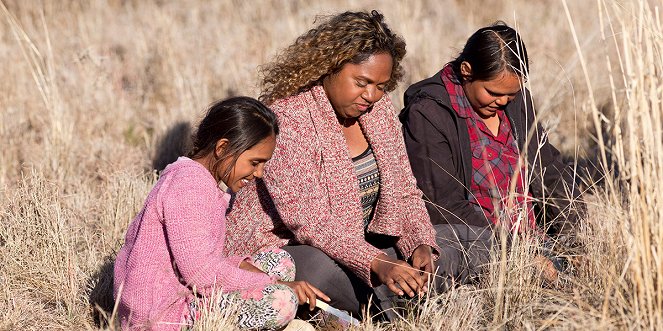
495 190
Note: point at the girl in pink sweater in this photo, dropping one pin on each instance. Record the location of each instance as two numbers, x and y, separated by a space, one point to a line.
173 260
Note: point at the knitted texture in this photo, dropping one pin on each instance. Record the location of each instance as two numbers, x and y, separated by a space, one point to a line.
174 245
311 181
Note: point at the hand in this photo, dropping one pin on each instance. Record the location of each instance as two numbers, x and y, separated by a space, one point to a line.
305 292
546 268
249 267
422 259
398 275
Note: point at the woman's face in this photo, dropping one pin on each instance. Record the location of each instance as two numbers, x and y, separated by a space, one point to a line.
487 97
353 90
250 164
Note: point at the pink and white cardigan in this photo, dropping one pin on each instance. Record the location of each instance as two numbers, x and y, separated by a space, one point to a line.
312 182
183 223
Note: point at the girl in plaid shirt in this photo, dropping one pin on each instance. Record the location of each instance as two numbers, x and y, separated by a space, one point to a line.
480 158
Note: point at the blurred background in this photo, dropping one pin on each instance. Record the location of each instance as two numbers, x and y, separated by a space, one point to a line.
95 95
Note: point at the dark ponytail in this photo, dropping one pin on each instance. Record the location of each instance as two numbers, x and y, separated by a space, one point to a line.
491 50
243 121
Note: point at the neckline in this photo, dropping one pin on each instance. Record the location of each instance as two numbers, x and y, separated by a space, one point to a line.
363 154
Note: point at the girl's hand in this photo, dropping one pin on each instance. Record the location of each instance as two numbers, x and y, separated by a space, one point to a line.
249 267
398 275
305 291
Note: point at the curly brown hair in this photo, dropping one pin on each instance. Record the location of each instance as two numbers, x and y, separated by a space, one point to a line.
349 37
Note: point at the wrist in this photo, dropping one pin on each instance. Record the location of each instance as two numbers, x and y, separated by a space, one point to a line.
425 248
377 262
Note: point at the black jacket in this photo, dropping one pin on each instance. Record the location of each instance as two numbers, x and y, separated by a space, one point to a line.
438 146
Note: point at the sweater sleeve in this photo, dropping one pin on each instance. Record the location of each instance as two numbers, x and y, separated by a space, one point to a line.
425 130
418 229
194 221
294 177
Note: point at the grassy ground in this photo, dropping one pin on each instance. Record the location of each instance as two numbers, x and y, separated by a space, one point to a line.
93 93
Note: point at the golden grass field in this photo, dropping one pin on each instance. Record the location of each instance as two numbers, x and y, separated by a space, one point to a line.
92 94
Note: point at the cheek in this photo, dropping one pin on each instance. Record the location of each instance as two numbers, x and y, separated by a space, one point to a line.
484 99
246 170
379 94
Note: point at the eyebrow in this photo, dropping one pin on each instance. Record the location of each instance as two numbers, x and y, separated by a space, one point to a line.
370 81
259 159
497 93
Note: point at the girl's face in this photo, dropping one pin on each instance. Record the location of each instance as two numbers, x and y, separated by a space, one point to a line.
353 90
250 164
487 97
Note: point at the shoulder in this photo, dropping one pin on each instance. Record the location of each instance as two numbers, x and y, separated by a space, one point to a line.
185 167
429 110
297 104
521 109
185 176
294 112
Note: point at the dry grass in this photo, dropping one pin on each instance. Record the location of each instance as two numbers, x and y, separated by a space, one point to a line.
90 92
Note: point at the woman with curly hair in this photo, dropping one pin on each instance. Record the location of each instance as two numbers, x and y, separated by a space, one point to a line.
339 193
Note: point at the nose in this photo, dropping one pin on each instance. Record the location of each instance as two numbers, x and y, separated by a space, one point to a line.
372 94
259 170
502 101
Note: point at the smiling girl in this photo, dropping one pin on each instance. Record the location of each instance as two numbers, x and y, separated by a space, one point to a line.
173 258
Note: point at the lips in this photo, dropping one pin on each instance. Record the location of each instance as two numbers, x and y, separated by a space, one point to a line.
363 107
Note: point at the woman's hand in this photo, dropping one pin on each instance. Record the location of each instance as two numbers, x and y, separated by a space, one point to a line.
249 267
305 292
422 258
399 276
546 268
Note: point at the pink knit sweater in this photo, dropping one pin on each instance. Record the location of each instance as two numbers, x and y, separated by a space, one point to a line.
182 224
312 182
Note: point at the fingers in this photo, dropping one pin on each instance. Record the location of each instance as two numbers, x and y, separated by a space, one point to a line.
319 293
400 277
307 293
408 286
301 294
408 279
311 297
423 261
426 263
546 268
415 280
392 287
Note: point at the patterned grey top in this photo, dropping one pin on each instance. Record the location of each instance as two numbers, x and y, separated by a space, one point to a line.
368 175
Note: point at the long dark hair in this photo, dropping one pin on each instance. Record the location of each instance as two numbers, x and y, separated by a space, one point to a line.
243 121
491 50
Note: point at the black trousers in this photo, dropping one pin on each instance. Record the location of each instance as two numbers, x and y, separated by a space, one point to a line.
464 250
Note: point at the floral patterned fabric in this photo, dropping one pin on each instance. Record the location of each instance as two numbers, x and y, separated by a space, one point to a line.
269 307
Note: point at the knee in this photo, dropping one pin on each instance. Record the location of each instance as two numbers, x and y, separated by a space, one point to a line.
284 301
276 262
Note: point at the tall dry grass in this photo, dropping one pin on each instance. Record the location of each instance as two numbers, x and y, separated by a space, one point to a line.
91 92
